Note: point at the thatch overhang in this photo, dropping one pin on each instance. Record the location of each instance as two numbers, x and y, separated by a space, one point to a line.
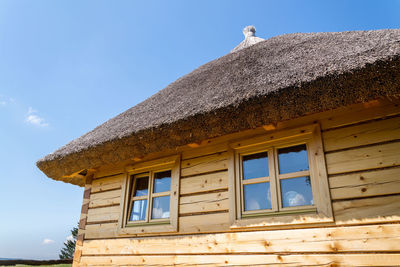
278 79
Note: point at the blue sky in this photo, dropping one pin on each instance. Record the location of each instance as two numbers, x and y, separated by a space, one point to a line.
67 66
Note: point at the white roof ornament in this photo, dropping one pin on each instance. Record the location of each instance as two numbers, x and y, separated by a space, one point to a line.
249 31
249 38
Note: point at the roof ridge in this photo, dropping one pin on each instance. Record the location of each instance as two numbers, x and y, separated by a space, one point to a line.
250 38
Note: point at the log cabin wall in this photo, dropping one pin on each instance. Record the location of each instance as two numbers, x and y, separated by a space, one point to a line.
362 152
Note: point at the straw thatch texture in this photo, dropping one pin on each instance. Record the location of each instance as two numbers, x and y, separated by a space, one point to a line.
277 79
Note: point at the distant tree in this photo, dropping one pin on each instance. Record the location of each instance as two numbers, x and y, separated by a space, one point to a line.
67 252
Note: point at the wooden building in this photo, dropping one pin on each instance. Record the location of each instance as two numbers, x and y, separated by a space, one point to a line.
284 151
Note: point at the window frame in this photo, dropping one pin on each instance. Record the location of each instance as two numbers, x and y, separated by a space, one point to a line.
149 197
320 212
162 225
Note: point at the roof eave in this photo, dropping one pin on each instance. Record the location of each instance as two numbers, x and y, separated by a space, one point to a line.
381 79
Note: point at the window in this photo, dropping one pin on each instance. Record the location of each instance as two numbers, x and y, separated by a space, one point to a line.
279 179
153 188
151 197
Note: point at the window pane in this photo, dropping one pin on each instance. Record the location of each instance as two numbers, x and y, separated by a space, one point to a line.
142 186
162 182
257 196
296 192
293 159
138 212
255 166
160 208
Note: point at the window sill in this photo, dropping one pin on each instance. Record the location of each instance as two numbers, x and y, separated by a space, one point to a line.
280 213
147 223
273 220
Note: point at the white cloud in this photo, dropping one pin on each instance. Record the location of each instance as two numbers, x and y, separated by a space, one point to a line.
33 118
47 241
295 199
70 237
5 100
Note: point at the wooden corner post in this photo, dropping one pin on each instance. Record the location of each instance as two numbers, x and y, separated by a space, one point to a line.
83 220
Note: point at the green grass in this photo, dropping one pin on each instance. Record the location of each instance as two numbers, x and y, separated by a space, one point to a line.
56 265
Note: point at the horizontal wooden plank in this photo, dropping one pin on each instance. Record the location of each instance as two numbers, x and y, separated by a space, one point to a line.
357 113
371 238
364 134
109 183
364 158
103 230
246 260
210 163
108 171
103 214
206 149
346 115
104 202
215 222
144 166
367 210
204 183
365 184
105 195
204 203
105 198
204 223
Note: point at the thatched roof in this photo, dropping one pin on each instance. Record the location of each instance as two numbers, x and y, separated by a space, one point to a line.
277 79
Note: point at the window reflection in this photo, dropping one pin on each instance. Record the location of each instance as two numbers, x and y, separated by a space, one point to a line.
162 182
138 212
257 196
160 207
141 187
293 159
255 166
296 192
